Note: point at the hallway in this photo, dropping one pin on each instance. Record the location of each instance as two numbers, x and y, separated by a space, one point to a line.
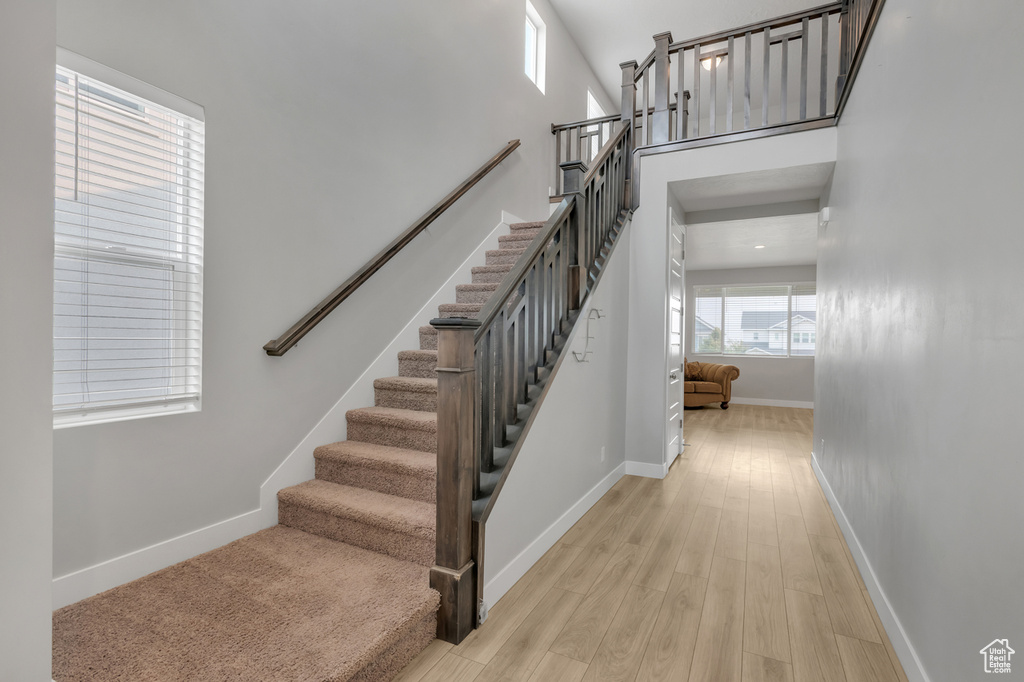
731 568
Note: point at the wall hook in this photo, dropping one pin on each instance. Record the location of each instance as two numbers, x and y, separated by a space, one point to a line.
594 314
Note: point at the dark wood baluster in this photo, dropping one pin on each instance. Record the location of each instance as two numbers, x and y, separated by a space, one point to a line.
823 77
785 78
805 40
767 69
696 90
485 378
728 103
746 80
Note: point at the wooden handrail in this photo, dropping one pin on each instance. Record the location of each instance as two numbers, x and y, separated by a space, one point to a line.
777 22
280 345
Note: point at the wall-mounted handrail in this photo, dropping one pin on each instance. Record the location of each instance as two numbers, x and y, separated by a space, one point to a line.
280 345
493 370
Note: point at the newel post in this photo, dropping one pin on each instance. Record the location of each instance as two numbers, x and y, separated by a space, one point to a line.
454 572
573 173
662 78
629 92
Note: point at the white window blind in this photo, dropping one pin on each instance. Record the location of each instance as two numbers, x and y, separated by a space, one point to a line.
753 320
128 266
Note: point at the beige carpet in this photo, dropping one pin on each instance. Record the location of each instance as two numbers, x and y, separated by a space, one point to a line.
338 592
278 605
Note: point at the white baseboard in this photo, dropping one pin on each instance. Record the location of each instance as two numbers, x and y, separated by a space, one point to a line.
646 469
769 402
73 587
505 578
297 467
897 635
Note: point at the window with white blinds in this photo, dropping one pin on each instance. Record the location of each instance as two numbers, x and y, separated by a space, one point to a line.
128 267
755 320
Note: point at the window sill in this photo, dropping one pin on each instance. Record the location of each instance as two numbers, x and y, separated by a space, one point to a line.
68 420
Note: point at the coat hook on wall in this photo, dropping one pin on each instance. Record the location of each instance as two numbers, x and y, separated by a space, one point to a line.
594 314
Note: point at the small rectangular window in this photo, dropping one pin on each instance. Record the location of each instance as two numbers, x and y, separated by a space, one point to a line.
128 262
536 36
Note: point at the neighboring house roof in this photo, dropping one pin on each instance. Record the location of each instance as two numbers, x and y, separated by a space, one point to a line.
766 319
757 350
701 327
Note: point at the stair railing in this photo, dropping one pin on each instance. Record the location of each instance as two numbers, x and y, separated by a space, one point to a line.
493 370
280 345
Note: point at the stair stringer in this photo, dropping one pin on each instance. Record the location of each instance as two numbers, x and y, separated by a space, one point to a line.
298 466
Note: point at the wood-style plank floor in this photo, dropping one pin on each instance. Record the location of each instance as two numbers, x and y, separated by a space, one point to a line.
732 568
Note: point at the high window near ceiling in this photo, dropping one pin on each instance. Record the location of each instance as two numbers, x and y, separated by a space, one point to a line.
535 43
128 268
776 320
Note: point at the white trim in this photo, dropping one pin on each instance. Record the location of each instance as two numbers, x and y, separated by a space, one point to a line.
122 81
646 469
771 402
506 577
297 467
67 589
897 635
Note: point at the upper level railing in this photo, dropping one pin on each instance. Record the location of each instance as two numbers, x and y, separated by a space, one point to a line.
769 73
280 345
493 370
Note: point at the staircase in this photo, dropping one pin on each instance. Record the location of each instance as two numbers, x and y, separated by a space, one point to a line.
338 591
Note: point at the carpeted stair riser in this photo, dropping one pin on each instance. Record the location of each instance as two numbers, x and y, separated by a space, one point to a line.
474 293
428 338
418 363
519 240
393 471
470 310
407 393
503 256
521 227
490 274
393 526
409 430
408 643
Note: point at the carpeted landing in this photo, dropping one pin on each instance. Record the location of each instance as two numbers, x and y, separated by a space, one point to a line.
339 591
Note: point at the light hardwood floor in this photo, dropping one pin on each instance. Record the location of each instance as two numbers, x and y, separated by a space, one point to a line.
732 568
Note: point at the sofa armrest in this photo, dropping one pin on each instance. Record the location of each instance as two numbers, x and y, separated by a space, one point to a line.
722 375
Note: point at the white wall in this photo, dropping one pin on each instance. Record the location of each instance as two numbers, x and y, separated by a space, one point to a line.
763 380
645 430
26 308
560 472
917 396
330 128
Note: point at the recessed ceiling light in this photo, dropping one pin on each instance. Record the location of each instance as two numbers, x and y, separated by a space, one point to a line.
759 246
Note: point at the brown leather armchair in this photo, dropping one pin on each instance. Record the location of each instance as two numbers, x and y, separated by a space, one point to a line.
715 385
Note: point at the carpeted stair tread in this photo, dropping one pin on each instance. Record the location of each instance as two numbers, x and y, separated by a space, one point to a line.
484 274
503 256
428 338
475 293
409 419
459 309
277 605
516 240
397 514
518 227
400 428
418 363
384 469
410 393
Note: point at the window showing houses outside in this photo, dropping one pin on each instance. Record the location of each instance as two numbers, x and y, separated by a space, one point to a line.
594 110
535 43
128 217
761 320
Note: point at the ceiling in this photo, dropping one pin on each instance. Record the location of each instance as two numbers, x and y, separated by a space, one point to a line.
726 216
609 32
787 240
